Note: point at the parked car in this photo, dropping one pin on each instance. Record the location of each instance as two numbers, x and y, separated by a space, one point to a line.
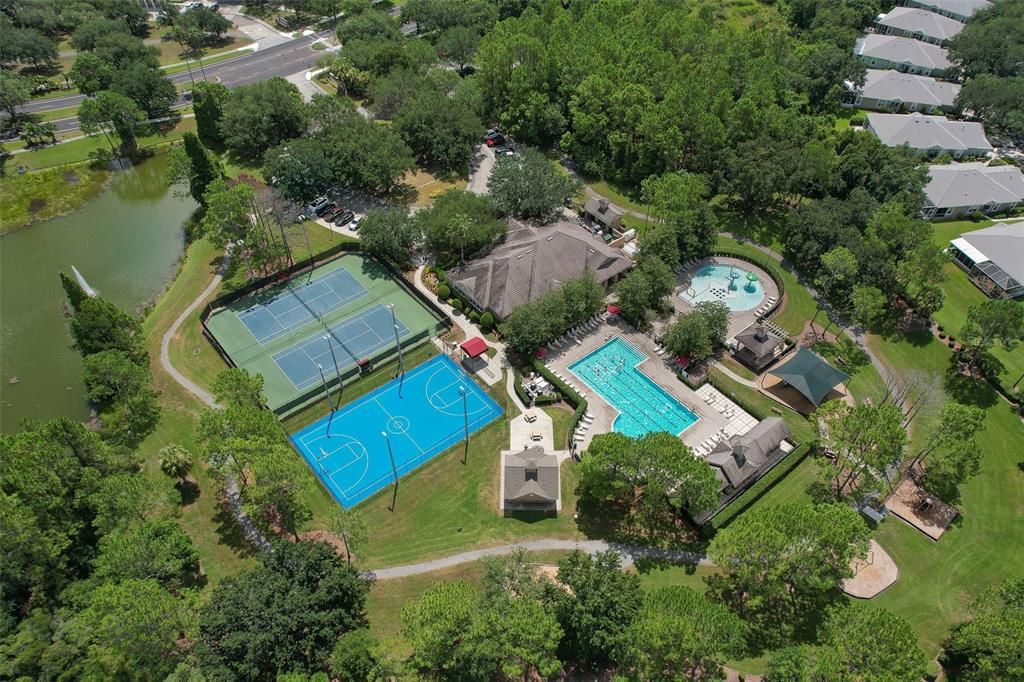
331 213
318 205
344 218
354 225
504 151
494 139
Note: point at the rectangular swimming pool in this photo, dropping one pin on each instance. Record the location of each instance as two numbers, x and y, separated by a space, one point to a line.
612 372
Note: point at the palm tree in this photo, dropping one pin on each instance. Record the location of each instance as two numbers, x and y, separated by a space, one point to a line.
176 462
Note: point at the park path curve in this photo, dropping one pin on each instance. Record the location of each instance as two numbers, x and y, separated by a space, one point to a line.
165 343
629 554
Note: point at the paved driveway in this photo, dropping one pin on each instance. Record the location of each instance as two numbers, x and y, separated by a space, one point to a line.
482 164
259 31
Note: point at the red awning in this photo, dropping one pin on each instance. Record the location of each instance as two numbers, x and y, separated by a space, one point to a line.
613 309
474 347
683 361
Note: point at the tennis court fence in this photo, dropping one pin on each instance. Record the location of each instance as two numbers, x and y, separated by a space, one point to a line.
443 324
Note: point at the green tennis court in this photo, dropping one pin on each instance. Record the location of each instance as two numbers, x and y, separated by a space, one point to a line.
340 319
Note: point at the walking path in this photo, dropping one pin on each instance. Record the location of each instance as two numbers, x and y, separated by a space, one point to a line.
734 376
233 495
629 553
165 343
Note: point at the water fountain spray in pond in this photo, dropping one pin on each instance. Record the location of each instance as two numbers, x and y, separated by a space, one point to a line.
82 283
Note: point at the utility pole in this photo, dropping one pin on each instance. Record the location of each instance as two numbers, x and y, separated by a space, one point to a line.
398 344
327 397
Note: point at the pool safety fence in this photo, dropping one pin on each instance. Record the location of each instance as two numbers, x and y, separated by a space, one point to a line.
766 264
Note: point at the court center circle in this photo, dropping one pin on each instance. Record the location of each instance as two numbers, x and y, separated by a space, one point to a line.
398 425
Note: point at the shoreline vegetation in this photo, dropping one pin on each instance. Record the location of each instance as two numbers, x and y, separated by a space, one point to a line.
32 198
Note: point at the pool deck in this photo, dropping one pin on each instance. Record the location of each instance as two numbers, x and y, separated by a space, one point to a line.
738 320
711 421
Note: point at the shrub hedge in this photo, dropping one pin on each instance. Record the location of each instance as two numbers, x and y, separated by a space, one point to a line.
578 402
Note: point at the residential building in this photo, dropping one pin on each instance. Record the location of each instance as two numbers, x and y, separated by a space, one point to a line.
895 91
919 24
994 258
959 189
530 481
961 10
931 135
532 262
903 54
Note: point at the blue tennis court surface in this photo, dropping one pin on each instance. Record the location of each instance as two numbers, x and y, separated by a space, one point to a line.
427 419
301 303
352 339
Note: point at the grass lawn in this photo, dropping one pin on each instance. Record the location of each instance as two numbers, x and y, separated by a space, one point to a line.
221 548
984 546
233 50
77 151
844 116
561 420
619 195
961 294
939 579
735 367
57 114
32 197
427 186
446 507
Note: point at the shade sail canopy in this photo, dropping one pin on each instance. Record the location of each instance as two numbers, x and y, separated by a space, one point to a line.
474 347
810 375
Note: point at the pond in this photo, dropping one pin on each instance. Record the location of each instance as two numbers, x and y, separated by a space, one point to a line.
127 244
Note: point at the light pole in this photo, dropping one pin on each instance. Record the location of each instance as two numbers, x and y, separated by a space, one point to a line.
465 422
337 372
398 344
327 397
394 470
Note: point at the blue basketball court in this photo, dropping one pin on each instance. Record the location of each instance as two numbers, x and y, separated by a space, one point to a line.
351 339
301 303
425 417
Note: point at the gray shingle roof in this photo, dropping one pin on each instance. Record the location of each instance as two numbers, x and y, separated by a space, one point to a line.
973 184
895 86
531 476
603 212
534 261
902 51
1003 245
924 133
759 340
962 8
742 456
916 20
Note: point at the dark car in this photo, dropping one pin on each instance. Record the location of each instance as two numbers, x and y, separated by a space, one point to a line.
494 139
331 213
504 151
326 208
344 218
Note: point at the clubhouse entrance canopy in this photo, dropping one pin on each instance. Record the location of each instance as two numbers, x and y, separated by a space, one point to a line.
810 375
474 347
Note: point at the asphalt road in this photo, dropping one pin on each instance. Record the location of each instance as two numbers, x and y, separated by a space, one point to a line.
281 60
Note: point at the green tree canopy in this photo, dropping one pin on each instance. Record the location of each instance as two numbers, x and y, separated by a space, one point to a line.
811 549
259 116
681 635
285 614
699 333
458 224
391 234
527 185
441 135
155 549
991 645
